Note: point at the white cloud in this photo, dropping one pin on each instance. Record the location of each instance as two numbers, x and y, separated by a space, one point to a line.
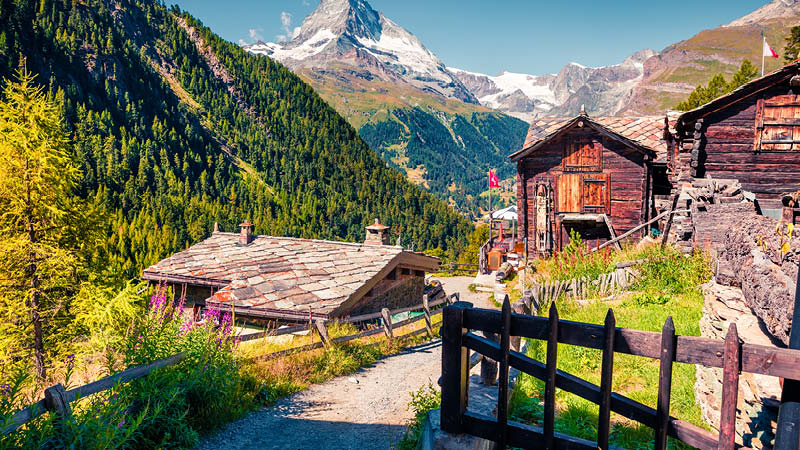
289 33
255 34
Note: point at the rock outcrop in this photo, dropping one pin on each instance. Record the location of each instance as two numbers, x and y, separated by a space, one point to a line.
758 394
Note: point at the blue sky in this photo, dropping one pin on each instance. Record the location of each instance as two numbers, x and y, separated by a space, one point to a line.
493 36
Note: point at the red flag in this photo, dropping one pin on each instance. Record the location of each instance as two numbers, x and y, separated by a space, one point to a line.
494 182
768 51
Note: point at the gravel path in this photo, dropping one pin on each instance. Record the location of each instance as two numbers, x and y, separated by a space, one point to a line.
365 411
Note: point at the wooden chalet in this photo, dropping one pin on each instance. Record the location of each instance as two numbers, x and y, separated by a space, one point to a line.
751 134
598 176
291 280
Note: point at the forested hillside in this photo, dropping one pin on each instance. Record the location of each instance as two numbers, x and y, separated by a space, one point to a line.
174 129
448 153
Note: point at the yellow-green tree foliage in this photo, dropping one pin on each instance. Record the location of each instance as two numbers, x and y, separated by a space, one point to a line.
41 226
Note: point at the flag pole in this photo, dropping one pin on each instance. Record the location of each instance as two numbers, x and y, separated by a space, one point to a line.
763 46
491 219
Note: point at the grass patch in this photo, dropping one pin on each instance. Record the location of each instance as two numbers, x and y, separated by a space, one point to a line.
668 286
426 399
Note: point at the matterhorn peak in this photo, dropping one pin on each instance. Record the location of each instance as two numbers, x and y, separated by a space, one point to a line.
350 32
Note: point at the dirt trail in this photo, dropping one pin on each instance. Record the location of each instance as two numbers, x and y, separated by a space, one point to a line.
364 411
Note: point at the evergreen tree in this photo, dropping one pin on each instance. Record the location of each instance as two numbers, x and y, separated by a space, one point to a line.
38 256
792 50
718 87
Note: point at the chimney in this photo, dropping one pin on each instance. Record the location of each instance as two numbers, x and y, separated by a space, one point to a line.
246 236
377 234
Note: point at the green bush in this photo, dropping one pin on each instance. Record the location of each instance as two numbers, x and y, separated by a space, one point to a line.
170 408
426 399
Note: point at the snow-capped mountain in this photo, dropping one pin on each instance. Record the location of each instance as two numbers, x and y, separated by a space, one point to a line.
351 33
602 90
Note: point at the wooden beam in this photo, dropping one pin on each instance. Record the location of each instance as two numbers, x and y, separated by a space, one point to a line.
634 230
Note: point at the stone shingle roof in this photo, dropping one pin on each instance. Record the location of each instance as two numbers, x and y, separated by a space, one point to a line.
647 132
283 277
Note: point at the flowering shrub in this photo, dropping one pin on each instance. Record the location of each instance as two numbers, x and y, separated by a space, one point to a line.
575 261
167 409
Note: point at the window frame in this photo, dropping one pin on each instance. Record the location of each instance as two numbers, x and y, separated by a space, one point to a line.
777 120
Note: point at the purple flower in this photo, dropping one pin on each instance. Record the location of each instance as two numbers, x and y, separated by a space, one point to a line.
121 424
5 390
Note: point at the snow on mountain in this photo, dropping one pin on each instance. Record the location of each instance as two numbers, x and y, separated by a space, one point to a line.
600 89
772 10
351 32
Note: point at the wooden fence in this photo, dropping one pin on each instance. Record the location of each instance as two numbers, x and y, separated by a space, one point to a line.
458 338
57 398
545 292
458 267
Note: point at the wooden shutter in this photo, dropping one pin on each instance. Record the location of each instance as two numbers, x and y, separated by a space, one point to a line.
596 194
582 155
778 124
569 190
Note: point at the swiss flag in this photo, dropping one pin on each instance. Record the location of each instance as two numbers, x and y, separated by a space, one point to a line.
768 51
494 182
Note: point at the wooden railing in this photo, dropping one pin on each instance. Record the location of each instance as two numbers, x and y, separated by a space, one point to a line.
458 267
387 327
57 398
458 338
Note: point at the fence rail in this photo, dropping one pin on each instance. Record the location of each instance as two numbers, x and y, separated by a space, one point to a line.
458 267
461 320
57 399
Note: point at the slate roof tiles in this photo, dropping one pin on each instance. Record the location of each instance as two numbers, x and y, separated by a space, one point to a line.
646 131
286 274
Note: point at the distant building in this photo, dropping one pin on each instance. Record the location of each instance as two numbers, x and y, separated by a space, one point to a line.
599 176
265 278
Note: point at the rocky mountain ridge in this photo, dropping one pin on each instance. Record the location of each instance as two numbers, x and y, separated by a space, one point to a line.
601 90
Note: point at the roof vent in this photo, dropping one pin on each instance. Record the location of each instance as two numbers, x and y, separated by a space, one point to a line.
246 236
377 234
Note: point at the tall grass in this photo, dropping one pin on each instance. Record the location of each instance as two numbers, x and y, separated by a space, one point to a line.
668 286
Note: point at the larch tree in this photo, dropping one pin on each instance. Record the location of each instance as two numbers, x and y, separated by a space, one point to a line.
39 219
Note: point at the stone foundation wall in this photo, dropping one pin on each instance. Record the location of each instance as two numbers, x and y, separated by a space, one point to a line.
758 394
754 287
401 293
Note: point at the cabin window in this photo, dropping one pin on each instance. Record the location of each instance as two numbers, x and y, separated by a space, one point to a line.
778 124
583 155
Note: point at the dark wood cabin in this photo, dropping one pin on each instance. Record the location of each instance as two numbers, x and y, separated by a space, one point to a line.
751 134
598 176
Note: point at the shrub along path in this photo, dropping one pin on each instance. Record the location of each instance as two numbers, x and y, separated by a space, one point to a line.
365 411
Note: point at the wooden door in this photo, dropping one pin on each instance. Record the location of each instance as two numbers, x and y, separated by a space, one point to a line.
596 195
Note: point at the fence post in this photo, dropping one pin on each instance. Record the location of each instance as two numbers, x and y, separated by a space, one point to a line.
502 388
56 400
455 368
323 332
387 324
607 371
787 436
550 382
427 311
730 389
488 365
668 342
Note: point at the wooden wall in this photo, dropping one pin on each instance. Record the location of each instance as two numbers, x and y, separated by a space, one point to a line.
727 151
628 186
